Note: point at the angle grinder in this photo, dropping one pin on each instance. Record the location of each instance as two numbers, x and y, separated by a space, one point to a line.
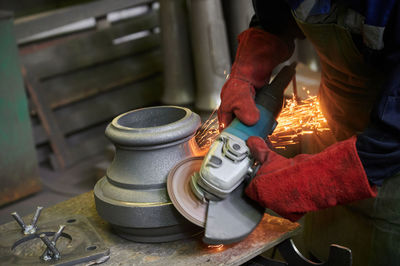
209 191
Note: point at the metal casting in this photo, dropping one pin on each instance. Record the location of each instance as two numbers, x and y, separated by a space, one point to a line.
133 196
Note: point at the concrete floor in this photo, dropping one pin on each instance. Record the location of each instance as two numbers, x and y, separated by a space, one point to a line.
57 187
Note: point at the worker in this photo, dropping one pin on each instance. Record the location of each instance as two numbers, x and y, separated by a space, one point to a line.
358 43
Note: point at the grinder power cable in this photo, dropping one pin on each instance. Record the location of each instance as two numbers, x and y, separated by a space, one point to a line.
209 191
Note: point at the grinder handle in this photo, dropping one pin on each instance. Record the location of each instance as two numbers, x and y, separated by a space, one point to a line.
270 96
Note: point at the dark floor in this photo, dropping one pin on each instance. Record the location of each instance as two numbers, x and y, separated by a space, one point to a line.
56 187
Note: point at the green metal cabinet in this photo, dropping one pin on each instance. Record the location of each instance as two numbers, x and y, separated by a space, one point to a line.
18 163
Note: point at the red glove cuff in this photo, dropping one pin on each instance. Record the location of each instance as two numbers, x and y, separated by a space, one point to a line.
311 182
258 53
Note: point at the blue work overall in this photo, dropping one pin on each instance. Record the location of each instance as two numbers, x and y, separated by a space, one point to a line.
348 90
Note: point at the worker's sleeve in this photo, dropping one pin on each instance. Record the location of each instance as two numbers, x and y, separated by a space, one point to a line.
379 145
273 16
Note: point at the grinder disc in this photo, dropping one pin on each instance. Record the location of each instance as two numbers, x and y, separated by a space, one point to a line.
180 191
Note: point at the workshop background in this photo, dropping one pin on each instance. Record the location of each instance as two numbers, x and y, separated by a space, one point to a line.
68 67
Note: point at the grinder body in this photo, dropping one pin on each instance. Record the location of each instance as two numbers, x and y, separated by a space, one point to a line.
228 161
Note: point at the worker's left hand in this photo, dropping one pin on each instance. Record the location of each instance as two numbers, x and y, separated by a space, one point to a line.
257 55
292 187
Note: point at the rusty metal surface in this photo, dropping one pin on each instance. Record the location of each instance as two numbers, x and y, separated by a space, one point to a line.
271 231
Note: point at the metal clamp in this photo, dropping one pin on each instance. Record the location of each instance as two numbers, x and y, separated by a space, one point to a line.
51 251
77 242
31 228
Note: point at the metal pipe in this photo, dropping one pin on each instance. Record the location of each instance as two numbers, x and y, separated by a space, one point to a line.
210 50
177 61
55 254
57 235
47 253
36 216
19 220
238 14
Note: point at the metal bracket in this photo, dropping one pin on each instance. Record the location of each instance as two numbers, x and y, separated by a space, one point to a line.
51 251
30 228
262 261
338 255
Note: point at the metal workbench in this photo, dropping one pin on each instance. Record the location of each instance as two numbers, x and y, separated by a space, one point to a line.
270 232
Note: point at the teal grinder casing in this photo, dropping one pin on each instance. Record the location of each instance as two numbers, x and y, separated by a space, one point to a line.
229 161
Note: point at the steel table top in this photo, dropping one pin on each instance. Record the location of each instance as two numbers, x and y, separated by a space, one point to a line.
270 232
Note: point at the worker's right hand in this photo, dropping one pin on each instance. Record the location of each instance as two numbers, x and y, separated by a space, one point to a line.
308 182
257 55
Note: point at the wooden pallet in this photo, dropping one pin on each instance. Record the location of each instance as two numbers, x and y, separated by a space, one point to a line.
79 82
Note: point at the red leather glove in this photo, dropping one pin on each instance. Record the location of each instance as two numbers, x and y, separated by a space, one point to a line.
257 54
292 187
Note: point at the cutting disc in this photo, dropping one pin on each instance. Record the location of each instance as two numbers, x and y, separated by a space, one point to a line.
180 192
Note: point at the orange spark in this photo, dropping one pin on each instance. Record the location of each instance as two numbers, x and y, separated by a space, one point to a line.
215 248
218 247
208 132
297 118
